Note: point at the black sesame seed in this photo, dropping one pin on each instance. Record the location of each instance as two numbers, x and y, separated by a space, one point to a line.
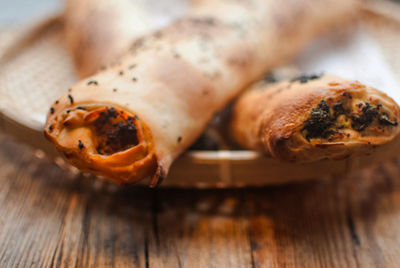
314 76
179 139
80 144
92 82
68 111
56 102
130 67
71 100
52 110
51 127
115 90
305 78
81 108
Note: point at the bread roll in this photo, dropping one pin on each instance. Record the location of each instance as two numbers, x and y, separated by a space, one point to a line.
132 120
313 118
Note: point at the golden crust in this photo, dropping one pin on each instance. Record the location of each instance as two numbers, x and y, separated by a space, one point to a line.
276 119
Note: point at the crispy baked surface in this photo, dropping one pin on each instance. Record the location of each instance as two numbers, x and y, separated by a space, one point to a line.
313 118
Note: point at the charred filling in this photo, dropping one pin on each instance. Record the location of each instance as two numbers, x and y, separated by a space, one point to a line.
115 131
326 121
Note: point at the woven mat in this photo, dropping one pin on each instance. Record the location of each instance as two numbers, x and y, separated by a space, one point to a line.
34 72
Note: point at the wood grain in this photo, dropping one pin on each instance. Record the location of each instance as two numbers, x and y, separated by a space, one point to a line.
53 218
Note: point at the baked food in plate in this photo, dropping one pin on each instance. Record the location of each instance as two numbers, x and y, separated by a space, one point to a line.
311 118
134 118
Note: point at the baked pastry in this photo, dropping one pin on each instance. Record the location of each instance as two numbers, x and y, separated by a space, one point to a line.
97 32
311 118
133 119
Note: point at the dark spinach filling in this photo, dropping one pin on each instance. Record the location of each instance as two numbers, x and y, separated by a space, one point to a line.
115 132
320 122
323 120
368 114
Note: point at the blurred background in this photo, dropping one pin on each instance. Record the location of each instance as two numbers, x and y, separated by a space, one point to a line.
19 11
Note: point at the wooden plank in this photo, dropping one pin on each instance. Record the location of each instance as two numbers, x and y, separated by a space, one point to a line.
53 218
50 218
199 228
339 222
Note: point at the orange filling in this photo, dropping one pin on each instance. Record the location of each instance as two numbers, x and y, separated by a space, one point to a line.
114 130
106 141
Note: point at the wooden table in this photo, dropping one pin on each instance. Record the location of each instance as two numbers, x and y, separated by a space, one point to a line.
52 218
